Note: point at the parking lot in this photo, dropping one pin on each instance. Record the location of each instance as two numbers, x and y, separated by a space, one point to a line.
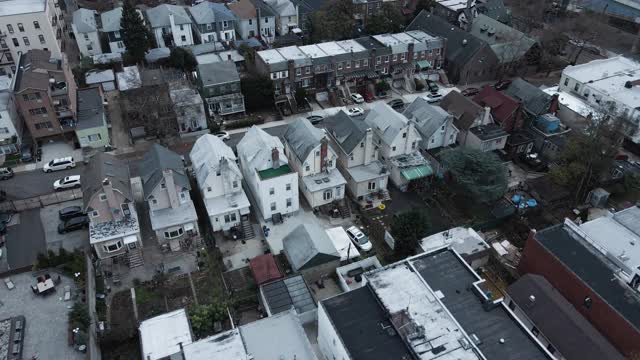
70 241
46 318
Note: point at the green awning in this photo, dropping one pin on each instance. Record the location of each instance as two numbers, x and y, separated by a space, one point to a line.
417 172
423 64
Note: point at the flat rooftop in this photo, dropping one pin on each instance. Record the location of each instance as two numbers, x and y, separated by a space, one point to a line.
420 35
224 346
465 241
162 336
332 48
18 7
292 53
351 46
455 5
313 51
271 56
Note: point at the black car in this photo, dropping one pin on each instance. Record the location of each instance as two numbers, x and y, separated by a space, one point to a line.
75 223
502 84
470 91
433 87
26 153
315 119
396 104
70 213
6 173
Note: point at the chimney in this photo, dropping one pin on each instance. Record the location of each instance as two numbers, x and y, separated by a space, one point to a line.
292 71
229 57
410 50
167 175
323 153
553 108
407 145
368 147
486 116
275 158
469 5
107 188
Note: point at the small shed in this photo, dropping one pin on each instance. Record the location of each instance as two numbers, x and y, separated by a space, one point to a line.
283 294
105 78
310 252
264 269
129 78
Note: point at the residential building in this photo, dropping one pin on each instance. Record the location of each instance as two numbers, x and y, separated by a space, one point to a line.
213 22
85 31
11 126
165 335
189 108
459 12
105 79
605 83
549 135
465 241
398 141
363 10
495 9
476 128
246 18
28 25
266 21
535 101
595 267
219 85
286 15
358 159
91 121
107 198
44 92
467 58
505 110
434 124
220 182
571 110
404 306
510 45
273 184
310 155
532 298
310 252
165 184
111 27
170 25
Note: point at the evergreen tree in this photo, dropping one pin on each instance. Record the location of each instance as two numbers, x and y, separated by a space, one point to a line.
135 36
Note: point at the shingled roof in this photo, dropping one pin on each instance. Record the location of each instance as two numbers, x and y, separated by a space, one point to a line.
105 166
155 161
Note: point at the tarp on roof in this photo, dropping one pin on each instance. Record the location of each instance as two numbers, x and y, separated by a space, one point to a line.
417 172
264 269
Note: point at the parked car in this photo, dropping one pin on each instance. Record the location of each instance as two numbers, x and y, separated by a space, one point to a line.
6 173
432 86
65 163
73 224
315 119
67 182
222 135
5 217
355 111
359 238
70 212
502 84
470 91
357 98
396 104
433 98
26 153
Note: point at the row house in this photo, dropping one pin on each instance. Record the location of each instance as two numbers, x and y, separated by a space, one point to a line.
189 108
434 124
213 22
170 25
219 85
28 25
44 93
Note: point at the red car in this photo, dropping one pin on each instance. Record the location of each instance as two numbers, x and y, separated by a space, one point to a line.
470 91
368 97
502 84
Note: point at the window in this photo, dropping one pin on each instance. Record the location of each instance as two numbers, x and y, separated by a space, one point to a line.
371 185
298 71
512 305
288 202
173 233
535 331
181 27
307 70
327 195
41 38
10 28
26 41
36 25
395 57
154 201
587 302
357 64
208 188
272 191
349 64
3 44
404 135
274 76
266 20
402 56
551 349
413 145
230 218
378 60
288 187
94 214
86 36
235 184
95 137
250 22
103 197
183 38
576 86
393 148
15 42
273 206
305 82
20 27
362 144
386 59
38 111
307 168
340 66
113 247
365 63
566 82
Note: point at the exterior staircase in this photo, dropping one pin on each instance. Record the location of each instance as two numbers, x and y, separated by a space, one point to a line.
134 258
247 229
343 208
385 195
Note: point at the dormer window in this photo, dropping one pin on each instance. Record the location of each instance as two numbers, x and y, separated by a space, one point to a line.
235 184
163 185
103 197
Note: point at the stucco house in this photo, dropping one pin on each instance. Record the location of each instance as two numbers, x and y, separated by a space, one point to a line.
107 198
220 182
366 175
91 121
310 155
213 22
434 124
272 182
165 184
85 31
170 25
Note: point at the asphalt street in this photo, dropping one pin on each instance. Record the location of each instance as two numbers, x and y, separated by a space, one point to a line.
28 184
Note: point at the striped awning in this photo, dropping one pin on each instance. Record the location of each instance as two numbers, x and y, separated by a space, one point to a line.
423 64
417 172
370 74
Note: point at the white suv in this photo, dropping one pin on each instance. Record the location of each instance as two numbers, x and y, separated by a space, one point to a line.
68 182
359 238
59 164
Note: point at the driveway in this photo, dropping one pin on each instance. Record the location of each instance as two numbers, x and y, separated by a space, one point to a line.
70 241
25 240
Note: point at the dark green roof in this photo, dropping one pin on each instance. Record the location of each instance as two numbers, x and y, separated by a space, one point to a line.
271 173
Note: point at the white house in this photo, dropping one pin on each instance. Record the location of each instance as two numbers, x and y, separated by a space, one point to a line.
213 22
286 13
310 155
165 184
398 140
358 161
85 31
111 27
220 182
434 124
104 78
10 123
28 25
272 182
170 25
246 18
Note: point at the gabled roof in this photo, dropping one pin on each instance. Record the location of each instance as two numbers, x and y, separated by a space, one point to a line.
264 269
90 109
302 137
386 121
495 9
461 45
159 15
209 154
282 7
585 341
502 106
308 246
464 111
155 161
265 10
111 19
508 43
84 20
208 12
535 101
105 166
347 131
256 147
218 73
243 9
428 118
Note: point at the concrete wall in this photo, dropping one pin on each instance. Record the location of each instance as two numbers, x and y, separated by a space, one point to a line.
329 342
315 273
